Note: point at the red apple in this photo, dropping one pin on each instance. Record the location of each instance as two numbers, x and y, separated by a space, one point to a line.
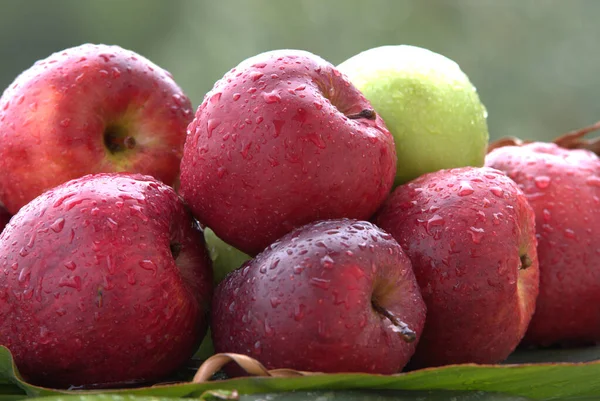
282 140
469 233
563 187
332 296
89 109
4 217
105 282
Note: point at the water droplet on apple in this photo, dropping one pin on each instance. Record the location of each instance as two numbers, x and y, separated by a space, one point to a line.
497 191
316 139
465 189
24 277
275 302
568 233
236 97
245 151
271 97
257 348
215 97
299 312
58 225
278 124
320 283
434 221
593 181
70 265
542 181
23 252
211 125
70 281
476 234
136 210
269 332
327 262
149 265
255 75
130 276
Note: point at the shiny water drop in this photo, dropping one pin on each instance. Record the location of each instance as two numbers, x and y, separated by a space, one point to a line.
236 97
278 124
138 211
149 265
70 265
476 234
215 97
542 181
211 125
327 262
593 181
70 281
271 97
255 76
320 283
299 312
275 302
497 191
465 189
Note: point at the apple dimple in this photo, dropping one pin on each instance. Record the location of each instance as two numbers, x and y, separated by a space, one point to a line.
117 139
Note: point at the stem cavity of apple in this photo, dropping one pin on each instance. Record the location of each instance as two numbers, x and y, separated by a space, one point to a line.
399 326
525 262
175 249
116 139
369 114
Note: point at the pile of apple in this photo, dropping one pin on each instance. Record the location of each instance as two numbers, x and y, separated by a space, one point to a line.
376 237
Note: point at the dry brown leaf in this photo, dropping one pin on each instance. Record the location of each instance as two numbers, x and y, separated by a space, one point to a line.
253 367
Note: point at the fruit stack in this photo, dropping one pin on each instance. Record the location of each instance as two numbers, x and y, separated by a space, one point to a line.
318 218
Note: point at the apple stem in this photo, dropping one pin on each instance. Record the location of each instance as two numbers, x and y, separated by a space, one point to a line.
575 140
369 114
399 326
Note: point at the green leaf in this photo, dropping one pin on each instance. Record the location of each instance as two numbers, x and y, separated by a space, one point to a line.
544 381
363 395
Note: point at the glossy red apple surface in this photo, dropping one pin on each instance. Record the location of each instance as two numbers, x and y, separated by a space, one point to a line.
470 235
331 296
105 282
282 140
89 109
563 187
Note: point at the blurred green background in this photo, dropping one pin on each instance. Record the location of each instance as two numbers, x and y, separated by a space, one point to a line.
535 62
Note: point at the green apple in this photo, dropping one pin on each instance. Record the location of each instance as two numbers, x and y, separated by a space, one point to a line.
427 103
225 259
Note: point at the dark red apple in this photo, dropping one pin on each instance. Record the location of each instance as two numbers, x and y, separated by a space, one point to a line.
282 140
105 282
332 296
469 233
89 109
4 217
563 187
